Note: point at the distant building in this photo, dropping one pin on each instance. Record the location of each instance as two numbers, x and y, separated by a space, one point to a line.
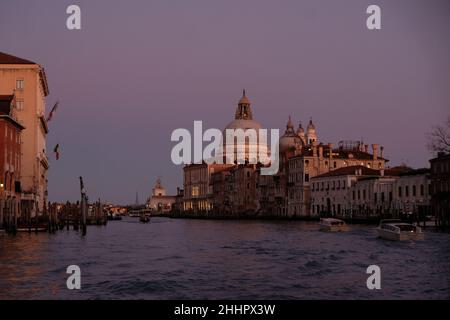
359 192
335 193
10 162
241 189
28 82
440 188
159 201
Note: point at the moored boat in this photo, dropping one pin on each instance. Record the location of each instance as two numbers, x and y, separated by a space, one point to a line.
42 227
333 225
397 230
144 219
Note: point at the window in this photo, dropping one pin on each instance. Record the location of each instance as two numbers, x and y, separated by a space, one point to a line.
306 177
422 190
399 192
19 105
414 190
335 164
19 84
364 194
195 191
407 191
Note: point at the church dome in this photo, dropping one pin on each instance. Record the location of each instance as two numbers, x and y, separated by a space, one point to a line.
244 120
311 126
244 124
290 139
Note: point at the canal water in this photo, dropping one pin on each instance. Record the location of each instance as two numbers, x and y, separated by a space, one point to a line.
204 259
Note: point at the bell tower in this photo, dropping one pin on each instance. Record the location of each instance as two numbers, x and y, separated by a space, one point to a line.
243 110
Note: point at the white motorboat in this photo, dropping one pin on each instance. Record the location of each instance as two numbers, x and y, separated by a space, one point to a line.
333 225
397 230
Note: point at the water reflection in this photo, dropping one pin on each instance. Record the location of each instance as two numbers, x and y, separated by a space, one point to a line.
189 259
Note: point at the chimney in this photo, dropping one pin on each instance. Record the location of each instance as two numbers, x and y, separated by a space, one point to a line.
375 151
320 151
382 152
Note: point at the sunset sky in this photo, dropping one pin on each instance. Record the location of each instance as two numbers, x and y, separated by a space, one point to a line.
140 69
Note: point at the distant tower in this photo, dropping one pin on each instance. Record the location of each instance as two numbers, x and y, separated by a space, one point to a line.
243 111
311 135
137 198
301 133
158 190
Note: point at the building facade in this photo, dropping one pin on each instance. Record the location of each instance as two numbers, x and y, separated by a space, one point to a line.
358 192
241 189
440 189
28 82
159 202
10 163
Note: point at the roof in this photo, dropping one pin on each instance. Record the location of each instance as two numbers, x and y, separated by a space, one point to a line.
415 172
441 156
9 59
398 170
350 171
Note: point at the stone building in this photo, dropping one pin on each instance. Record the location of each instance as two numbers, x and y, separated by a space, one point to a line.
28 82
333 193
303 158
241 189
440 189
159 202
412 194
10 162
358 192
197 178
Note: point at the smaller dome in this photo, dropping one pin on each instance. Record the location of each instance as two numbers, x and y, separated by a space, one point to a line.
290 139
300 130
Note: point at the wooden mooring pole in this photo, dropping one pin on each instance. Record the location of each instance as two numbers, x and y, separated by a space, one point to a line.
83 206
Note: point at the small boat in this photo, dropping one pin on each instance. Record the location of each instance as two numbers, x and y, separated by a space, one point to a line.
144 219
32 228
333 225
114 217
397 230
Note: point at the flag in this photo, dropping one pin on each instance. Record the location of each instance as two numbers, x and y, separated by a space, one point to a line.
56 151
50 116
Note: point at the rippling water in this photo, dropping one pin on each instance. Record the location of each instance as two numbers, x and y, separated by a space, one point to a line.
202 259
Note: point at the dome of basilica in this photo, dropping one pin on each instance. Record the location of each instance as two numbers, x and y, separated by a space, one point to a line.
290 139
